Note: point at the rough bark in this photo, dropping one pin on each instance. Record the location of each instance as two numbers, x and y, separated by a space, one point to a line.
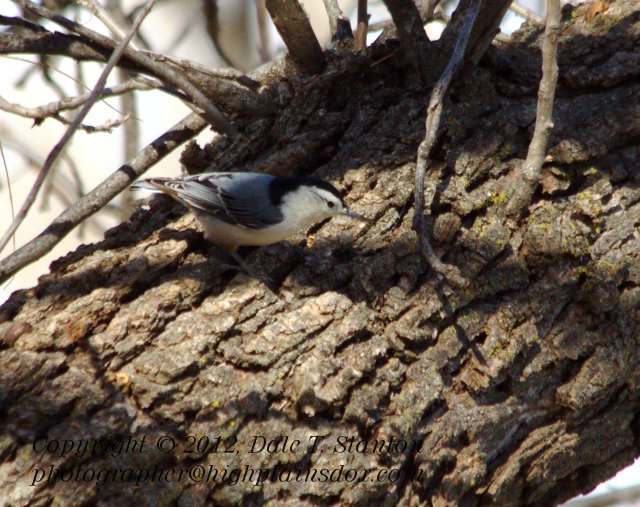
522 389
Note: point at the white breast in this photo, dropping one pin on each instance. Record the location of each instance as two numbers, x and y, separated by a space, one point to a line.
231 236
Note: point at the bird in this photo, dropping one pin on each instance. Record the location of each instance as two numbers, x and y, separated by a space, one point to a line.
252 209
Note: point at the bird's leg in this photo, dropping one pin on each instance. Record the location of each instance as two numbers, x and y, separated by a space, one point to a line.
246 268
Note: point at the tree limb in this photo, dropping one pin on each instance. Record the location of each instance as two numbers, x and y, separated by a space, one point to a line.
408 22
296 32
487 25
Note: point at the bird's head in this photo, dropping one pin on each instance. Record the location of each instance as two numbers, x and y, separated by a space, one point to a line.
313 200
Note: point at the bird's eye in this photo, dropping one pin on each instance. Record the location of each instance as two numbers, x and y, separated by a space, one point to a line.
330 204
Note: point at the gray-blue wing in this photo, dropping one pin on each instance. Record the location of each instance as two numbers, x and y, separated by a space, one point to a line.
236 198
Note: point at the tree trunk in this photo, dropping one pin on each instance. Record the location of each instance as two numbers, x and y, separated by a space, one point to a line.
361 379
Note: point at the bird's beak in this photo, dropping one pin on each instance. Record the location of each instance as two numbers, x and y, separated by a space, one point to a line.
357 216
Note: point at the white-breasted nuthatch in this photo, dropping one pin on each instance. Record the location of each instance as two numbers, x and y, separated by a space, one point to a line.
237 209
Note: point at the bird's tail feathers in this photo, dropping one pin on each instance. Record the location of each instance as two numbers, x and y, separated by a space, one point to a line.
153 184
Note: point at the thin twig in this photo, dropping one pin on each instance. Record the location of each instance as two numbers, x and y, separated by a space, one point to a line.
64 189
215 117
53 108
79 78
59 147
434 113
49 79
363 25
21 22
338 23
80 86
523 191
100 196
107 20
6 172
35 114
57 180
296 32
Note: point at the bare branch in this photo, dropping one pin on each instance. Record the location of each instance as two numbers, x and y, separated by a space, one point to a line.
58 148
338 22
100 196
434 113
523 191
21 22
296 32
101 13
136 83
54 108
363 26
6 172
234 89
408 22
212 113
485 28
41 113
